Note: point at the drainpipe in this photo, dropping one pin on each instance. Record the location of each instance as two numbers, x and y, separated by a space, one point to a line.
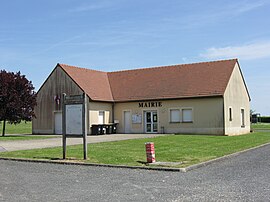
113 112
224 118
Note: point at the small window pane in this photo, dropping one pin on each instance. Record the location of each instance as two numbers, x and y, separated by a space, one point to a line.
155 128
243 117
230 114
148 128
154 117
175 115
187 115
148 117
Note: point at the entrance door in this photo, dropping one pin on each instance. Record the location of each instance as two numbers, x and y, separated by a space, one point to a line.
151 122
58 123
127 122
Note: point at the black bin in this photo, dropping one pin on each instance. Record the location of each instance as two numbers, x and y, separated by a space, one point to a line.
108 128
114 127
97 129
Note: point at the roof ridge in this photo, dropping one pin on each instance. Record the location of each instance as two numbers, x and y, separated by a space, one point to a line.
165 66
153 67
82 68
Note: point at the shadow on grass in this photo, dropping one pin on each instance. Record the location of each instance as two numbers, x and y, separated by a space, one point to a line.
46 157
58 159
142 162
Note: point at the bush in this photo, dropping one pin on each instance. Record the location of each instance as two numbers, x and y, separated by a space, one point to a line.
265 119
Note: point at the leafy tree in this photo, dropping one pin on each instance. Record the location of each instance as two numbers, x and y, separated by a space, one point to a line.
17 98
252 112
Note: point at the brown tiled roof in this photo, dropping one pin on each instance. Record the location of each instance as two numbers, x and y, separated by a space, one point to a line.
167 82
94 83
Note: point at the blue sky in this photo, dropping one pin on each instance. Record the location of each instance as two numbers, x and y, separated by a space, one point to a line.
111 35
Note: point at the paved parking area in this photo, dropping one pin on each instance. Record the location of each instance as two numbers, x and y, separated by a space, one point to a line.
56 142
242 178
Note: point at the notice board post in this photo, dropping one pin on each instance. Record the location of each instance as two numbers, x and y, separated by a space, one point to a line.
74 110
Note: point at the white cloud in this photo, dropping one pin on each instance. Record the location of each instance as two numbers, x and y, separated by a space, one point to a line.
245 52
249 6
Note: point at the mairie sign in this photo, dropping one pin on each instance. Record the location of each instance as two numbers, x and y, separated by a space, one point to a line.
150 104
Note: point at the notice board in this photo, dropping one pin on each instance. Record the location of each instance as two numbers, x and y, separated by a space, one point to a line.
74 119
136 118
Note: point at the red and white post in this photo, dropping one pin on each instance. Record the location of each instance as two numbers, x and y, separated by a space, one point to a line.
150 152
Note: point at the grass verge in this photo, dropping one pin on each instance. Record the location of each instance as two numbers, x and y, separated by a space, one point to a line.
261 126
189 149
25 137
21 128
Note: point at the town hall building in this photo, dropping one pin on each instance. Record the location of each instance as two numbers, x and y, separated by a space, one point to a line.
198 98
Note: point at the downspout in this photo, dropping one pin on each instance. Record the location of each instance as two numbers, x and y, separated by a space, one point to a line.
89 131
223 115
113 112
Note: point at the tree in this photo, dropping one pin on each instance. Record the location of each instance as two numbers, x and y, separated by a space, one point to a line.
252 112
17 98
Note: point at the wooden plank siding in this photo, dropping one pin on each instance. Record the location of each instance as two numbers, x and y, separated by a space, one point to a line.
57 83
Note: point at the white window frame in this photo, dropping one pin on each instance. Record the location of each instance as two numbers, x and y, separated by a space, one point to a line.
170 117
182 114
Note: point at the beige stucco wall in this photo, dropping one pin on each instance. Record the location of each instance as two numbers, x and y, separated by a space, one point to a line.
207 116
56 84
236 97
94 109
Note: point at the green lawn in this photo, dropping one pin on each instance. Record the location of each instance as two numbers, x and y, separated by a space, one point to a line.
261 126
21 128
189 149
24 137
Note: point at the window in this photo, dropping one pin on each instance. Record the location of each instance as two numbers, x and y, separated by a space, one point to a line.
101 117
242 118
187 115
174 115
230 114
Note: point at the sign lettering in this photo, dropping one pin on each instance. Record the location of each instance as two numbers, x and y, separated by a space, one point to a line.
150 104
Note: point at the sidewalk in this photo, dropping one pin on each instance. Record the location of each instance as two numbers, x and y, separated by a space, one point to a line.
56 142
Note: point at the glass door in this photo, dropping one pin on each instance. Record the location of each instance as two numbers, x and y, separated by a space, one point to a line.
151 122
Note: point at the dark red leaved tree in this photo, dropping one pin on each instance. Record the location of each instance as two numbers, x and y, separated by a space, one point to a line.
17 98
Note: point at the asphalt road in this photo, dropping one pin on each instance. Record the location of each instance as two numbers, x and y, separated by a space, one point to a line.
242 178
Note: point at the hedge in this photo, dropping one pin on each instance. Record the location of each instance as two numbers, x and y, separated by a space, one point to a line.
264 119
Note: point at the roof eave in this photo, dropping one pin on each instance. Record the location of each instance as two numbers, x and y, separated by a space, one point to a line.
74 81
244 80
172 98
